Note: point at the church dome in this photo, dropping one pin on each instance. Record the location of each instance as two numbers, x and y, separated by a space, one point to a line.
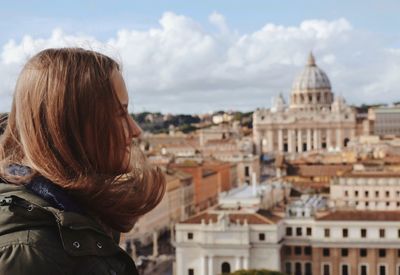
311 88
311 77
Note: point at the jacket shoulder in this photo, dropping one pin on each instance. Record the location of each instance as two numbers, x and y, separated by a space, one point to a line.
24 258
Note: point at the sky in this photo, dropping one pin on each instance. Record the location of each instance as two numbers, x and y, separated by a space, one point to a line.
202 56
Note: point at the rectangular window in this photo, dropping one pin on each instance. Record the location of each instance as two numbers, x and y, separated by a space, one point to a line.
326 252
345 269
308 269
345 232
307 250
289 231
298 231
346 193
364 269
387 194
356 193
327 232
366 194
377 194
326 269
309 231
190 236
190 271
382 270
345 252
363 252
297 250
287 250
246 171
382 253
382 233
363 233
297 269
261 237
288 268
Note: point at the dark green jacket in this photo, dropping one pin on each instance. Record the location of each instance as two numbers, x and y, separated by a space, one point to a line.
37 238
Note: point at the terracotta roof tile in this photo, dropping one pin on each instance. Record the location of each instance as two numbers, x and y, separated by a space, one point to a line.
353 215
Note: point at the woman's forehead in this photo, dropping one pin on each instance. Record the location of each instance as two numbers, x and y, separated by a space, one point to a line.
119 87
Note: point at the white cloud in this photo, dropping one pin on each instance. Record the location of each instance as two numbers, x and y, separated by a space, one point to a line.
181 67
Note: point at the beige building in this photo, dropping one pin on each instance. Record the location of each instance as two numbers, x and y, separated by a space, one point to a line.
314 120
366 191
343 243
385 120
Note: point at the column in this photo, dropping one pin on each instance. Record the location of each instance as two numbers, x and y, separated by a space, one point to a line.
309 145
328 138
270 141
210 265
339 141
238 263
204 265
299 140
290 140
257 142
316 147
246 263
280 140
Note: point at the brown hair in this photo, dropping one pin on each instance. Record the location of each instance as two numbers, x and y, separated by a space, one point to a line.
62 95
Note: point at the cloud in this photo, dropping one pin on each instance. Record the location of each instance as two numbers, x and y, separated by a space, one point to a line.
181 67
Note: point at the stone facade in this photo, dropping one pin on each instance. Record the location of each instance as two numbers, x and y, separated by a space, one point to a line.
314 120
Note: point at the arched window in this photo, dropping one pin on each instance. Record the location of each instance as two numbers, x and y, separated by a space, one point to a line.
225 268
345 142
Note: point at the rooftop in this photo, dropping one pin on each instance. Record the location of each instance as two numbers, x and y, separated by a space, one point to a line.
260 217
354 215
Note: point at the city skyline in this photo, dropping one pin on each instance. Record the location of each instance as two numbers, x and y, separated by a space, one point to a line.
202 57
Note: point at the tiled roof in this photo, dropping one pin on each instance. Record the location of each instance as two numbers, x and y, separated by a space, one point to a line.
372 174
353 215
267 214
220 141
322 170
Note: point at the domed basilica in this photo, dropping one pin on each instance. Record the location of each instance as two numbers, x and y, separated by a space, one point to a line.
315 120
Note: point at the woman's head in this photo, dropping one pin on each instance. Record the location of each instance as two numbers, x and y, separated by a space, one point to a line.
69 122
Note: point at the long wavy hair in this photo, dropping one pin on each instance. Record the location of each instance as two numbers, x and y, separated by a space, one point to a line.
65 125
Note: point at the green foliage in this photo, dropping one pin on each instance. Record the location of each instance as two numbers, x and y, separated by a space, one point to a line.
256 272
187 128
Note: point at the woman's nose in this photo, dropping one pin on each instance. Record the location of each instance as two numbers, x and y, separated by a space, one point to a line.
134 129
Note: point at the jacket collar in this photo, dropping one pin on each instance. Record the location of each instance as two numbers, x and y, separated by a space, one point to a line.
53 194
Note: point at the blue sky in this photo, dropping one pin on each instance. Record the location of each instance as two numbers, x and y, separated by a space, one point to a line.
101 18
198 56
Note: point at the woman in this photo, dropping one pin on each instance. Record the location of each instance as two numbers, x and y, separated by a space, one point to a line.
70 171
